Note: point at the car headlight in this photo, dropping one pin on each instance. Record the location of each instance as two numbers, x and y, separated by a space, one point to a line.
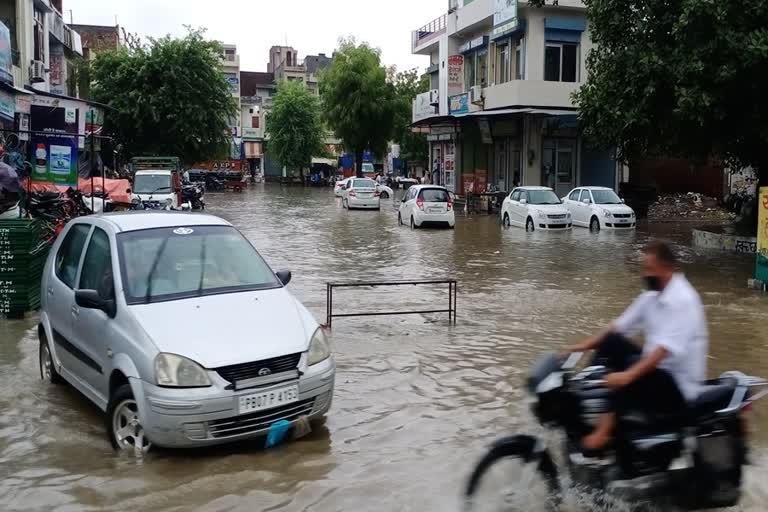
179 372
607 213
319 350
540 214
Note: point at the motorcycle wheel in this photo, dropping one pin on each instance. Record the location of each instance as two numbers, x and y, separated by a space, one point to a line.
516 474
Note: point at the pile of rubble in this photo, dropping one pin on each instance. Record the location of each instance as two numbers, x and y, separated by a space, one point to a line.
690 206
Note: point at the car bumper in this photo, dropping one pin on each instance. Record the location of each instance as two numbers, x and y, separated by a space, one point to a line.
366 202
437 219
612 224
554 225
174 418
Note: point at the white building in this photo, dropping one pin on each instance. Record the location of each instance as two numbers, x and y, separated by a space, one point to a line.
500 110
230 62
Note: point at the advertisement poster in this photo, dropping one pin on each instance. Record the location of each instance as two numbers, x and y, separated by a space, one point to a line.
54 159
459 104
6 59
58 115
7 106
56 73
762 235
455 75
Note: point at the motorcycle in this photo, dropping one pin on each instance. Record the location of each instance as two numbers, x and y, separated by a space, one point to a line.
193 193
691 460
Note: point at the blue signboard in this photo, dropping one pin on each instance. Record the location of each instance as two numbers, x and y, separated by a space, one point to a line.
459 104
6 59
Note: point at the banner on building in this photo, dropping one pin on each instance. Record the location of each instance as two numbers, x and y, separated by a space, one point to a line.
422 107
70 112
57 73
54 152
220 165
504 17
459 104
7 106
762 235
6 57
455 75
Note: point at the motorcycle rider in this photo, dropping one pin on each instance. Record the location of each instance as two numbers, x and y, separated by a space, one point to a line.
666 373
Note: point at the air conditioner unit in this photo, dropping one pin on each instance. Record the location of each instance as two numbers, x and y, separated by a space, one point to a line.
476 95
434 97
37 72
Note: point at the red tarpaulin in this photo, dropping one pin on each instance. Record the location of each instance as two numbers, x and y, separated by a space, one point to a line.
116 189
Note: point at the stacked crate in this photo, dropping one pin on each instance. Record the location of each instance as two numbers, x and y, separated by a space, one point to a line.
22 258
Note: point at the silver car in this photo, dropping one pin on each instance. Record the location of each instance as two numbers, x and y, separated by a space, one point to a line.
176 327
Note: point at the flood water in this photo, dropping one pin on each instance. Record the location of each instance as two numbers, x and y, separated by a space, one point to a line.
416 400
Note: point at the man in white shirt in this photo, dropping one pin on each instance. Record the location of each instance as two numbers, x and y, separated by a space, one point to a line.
668 371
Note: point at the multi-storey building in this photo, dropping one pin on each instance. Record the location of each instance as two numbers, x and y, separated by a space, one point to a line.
500 111
230 62
256 92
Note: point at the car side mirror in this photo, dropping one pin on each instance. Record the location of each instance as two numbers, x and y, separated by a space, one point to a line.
92 299
586 201
523 201
623 201
284 277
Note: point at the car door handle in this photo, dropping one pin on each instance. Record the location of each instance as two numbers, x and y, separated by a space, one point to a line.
50 291
75 311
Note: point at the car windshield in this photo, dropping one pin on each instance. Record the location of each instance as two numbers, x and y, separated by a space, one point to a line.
152 184
434 195
542 197
181 262
606 197
364 184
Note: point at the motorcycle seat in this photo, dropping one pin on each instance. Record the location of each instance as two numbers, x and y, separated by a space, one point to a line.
714 396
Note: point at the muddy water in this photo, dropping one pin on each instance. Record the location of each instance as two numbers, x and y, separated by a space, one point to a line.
416 399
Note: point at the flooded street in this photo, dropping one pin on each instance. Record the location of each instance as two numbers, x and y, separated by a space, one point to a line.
416 400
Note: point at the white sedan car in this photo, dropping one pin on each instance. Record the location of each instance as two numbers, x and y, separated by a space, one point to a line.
535 208
361 193
424 205
384 191
599 208
338 189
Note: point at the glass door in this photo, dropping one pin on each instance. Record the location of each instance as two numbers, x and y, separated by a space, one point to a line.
559 165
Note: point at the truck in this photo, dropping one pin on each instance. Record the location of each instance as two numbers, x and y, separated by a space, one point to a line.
157 180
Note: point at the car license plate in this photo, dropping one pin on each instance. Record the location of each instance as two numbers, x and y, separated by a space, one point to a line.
364 194
268 399
435 210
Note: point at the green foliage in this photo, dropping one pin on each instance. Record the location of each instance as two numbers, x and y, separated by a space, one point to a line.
170 98
357 100
678 78
413 146
295 126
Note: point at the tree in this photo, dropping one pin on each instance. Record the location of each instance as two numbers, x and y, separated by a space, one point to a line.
295 126
678 78
169 97
357 99
413 146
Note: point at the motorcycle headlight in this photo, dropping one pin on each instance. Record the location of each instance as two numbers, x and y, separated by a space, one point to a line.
179 372
319 349
607 213
540 214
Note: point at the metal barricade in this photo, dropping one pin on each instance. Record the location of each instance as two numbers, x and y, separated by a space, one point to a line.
452 297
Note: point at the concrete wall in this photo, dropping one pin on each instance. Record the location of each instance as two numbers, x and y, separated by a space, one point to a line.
473 15
530 93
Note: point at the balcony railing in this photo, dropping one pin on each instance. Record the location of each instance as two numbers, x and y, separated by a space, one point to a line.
428 31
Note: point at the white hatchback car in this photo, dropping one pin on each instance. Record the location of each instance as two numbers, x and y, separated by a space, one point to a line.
361 193
535 208
424 205
176 327
599 208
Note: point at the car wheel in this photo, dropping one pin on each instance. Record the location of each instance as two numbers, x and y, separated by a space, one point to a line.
413 224
594 224
506 220
529 225
123 426
47 369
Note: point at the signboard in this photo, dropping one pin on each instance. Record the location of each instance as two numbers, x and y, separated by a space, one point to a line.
459 104
221 165
7 106
54 153
6 58
455 75
762 235
504 17
74 110
234 82
56 73
474 44
422 109
251 133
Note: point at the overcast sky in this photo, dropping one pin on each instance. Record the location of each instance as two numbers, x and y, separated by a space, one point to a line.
310 26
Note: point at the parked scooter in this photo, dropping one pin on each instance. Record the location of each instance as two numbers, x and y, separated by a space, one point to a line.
692 459
193 193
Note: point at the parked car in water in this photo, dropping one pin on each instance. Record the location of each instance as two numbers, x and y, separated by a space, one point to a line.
535 208
361 193
599 208
384 191
425 205
338 188
143 314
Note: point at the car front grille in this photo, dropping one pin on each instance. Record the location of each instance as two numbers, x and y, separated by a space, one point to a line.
257 421
245 371
558 226
556 217
622 215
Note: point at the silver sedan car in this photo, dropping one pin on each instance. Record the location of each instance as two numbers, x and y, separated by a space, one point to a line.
176 327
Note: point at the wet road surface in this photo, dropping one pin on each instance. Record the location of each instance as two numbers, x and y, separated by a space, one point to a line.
416 400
